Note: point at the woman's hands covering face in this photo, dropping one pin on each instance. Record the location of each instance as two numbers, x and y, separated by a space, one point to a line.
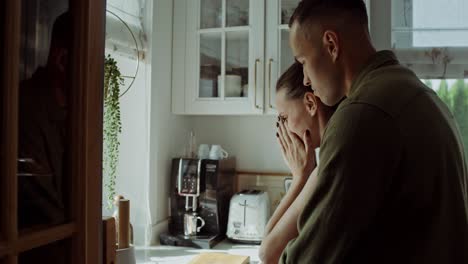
298 153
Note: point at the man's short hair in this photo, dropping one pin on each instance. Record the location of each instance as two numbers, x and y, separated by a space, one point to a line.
62 31
311 10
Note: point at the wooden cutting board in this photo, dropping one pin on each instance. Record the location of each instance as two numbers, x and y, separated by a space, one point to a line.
219 258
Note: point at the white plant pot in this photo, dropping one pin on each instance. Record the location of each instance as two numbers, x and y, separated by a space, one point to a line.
126 256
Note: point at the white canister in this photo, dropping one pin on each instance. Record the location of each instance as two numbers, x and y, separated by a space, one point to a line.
232 85
203 151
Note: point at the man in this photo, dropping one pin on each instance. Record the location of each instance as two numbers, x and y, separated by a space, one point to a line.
392 182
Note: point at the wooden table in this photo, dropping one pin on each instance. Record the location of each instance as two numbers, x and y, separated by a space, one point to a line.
183 255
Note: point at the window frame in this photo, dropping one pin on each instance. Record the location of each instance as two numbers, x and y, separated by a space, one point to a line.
426 62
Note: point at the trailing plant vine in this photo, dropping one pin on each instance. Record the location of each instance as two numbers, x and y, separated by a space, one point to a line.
112 125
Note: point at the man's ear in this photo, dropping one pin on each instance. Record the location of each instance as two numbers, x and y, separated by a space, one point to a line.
310 102
331 43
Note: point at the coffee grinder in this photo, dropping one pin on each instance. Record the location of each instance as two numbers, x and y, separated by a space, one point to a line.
201 190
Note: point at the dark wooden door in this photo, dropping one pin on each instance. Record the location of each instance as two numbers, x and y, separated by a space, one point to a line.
51 75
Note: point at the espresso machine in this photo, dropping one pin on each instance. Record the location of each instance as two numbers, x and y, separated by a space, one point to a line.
200 193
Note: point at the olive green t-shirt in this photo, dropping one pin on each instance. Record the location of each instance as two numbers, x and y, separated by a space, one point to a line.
392 180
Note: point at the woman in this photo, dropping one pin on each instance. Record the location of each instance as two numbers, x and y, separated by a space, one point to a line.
301 122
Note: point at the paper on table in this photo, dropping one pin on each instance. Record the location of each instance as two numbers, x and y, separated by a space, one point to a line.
219 258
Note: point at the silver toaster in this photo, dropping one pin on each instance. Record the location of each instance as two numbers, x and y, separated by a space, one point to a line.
249 212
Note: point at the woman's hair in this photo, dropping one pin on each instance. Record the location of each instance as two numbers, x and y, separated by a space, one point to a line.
292 81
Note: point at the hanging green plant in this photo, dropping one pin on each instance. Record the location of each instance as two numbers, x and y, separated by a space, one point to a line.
112 125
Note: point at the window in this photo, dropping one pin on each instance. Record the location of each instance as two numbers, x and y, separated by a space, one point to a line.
429 23
454 93
431 38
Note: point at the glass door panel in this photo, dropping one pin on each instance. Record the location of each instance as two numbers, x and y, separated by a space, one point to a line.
226 58
237 13
287 9
211 15
210 64
286 55
46 39
224 49
236 80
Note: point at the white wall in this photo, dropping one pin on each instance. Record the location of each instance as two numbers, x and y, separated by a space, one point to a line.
133 168
168 132
133 174
251 139
151 134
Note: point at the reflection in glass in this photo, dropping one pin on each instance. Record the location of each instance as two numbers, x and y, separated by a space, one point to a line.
237 13
236 80
211 15
287 9
286 56
43 106
454 93
210 64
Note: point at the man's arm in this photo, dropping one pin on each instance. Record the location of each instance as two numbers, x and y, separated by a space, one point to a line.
286 227
359 156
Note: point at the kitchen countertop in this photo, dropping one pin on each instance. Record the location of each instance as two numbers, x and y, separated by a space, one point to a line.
180 255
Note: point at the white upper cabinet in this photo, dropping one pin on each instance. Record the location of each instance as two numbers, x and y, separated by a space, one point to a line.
218 57
226 60
277 51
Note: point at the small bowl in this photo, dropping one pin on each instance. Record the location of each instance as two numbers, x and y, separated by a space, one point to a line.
125 256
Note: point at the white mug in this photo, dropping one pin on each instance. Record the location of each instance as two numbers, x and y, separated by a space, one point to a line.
203 151
191 227
232 85
217 152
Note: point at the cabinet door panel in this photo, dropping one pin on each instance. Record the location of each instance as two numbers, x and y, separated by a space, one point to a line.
236 78
279 54
46 39
211 13
224 57
210 64
237 13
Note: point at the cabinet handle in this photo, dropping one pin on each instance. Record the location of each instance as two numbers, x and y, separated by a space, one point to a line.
257 61
269 83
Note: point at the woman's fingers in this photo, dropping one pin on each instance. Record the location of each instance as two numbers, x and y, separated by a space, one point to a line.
284 133
280 140
295 139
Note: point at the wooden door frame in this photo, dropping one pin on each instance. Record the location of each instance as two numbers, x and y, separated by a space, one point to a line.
9 133
88 77
84 229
